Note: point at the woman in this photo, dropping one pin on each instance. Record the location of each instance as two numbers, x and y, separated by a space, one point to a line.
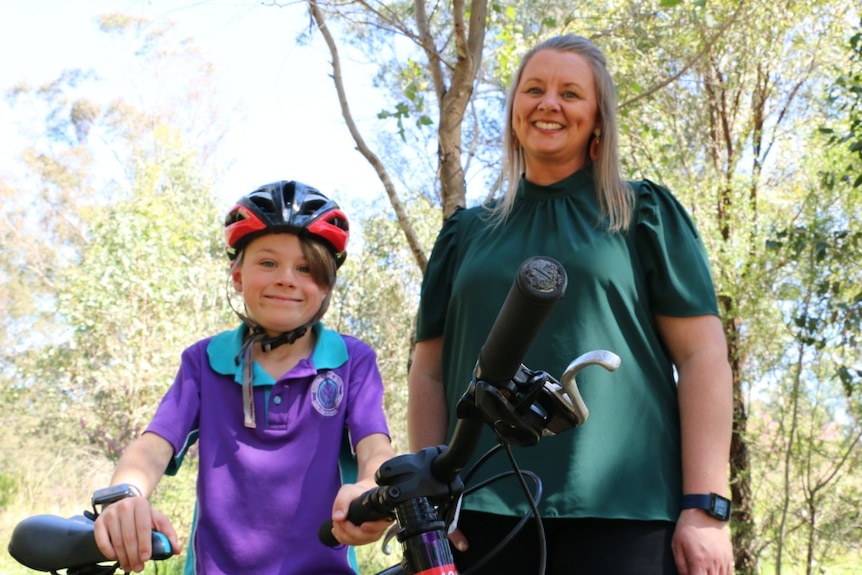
639 286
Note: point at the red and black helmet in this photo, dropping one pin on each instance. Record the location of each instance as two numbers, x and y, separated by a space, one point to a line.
287 207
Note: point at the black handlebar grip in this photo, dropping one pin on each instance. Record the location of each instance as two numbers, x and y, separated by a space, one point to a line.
325 534
540 283
366 507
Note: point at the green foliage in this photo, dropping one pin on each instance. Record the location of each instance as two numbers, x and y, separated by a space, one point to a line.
846 96
121 250
148 257
808 430
376 300
8 489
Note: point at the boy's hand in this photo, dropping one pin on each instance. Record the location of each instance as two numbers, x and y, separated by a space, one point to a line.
346 532
124 532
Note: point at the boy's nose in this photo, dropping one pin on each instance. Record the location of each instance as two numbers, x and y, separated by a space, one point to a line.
287 276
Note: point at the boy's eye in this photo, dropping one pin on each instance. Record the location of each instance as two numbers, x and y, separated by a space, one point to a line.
267 263
304 269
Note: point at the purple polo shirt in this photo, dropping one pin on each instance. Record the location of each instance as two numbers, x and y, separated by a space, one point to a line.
263 493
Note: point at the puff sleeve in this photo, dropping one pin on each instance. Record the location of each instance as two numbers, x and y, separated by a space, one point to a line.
437 283
672 255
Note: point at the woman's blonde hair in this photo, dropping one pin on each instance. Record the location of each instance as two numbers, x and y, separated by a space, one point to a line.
615 196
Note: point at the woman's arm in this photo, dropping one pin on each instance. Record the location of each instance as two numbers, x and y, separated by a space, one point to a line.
699 351
427 413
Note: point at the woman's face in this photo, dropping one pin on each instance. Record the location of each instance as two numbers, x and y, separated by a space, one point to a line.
276 284
554 114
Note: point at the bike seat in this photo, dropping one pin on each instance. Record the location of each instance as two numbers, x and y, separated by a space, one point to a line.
50 543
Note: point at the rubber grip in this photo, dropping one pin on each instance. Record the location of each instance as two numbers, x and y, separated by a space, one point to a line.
325 534
161 547
364 508
539 285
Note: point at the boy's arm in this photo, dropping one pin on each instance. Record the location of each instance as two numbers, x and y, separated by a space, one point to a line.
123 530
371 452
143 463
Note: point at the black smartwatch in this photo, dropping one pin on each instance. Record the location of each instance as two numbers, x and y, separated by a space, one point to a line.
713 503
108 495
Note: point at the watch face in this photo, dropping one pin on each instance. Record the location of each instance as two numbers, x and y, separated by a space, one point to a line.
721 507
113 493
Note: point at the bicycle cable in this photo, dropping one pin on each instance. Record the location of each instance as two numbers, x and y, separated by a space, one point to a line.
532 501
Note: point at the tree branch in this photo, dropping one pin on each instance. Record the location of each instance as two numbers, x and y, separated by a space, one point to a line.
400 213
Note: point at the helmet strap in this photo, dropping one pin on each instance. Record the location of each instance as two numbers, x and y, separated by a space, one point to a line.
267 343
248 381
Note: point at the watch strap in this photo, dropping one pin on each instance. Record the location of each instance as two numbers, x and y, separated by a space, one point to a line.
714 504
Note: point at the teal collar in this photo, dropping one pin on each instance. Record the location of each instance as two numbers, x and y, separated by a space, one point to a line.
330 352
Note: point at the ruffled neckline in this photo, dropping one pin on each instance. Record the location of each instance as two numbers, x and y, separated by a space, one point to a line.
570 186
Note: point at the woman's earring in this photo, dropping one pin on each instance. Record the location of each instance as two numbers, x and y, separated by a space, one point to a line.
595 144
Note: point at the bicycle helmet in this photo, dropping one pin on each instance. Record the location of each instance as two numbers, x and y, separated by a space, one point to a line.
287 206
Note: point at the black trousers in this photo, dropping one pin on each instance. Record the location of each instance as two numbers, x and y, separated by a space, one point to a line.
574 546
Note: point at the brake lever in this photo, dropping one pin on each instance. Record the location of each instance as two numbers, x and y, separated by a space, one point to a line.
391 533
566 395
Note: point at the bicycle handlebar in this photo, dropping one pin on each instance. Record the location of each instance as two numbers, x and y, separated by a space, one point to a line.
51 543
538 286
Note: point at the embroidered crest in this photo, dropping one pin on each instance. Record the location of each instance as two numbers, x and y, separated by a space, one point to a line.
327 391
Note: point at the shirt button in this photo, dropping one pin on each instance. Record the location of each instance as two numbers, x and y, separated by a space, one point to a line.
277 400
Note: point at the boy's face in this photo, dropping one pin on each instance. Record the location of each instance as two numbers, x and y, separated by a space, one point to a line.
276 283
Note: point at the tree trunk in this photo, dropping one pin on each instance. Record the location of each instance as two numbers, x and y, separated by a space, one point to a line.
745 558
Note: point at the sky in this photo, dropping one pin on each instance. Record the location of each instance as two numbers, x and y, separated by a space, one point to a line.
292 126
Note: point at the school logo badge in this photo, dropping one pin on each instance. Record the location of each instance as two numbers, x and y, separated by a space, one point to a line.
327 391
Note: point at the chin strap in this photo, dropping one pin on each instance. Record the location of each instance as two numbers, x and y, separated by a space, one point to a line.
248 379
289 337
267 344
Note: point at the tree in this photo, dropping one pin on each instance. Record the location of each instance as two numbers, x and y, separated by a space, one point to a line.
106 267
846 96
451 67
817 428
117 265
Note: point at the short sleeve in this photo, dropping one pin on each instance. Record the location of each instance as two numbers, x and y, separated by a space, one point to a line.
177 417
672 254
437 283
